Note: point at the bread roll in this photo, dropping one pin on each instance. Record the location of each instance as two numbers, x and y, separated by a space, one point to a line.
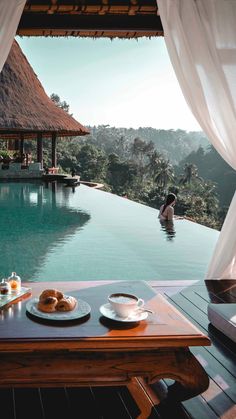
48 304
51 293
66 304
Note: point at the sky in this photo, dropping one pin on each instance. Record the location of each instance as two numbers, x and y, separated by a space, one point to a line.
121 83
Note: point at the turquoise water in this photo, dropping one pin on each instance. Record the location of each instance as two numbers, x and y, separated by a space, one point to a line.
52 233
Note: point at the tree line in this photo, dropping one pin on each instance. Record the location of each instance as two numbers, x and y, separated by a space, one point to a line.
140 172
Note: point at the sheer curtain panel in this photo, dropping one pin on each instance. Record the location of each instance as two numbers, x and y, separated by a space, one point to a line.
10 14
200 36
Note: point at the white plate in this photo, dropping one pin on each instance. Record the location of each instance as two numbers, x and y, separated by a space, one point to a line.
81 309
108 312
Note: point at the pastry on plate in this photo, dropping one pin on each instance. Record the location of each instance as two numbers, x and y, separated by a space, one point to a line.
67 303
48 304
51 293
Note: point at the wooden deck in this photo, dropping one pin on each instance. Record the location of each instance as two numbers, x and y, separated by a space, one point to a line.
219 360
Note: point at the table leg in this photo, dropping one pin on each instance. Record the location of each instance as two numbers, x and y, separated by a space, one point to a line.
190 377
181 366
144 396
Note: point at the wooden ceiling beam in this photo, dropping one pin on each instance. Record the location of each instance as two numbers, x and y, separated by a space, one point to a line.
114 23
91 9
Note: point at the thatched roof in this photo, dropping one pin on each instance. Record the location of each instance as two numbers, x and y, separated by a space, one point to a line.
91 18
24 105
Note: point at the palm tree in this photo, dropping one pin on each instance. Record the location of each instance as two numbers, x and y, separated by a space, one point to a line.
164 173
190 174
210 197
154 162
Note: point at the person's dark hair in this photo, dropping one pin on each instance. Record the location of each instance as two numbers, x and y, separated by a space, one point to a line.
169 199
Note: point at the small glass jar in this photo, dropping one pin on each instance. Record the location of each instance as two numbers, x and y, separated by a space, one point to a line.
14 282
5 287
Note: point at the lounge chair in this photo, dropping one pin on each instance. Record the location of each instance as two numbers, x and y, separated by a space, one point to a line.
223 317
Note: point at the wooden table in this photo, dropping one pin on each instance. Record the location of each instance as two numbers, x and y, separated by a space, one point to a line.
98 351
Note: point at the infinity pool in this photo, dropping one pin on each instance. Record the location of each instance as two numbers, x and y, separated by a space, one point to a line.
49 232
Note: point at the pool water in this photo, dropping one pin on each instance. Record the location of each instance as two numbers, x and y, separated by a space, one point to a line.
52 233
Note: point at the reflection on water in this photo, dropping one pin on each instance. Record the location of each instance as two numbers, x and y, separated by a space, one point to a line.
50 232
169 228
34 219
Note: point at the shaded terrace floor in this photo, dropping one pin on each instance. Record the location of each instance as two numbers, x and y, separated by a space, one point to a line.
219 360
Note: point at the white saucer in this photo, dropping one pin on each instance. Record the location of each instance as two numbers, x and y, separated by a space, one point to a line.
108 312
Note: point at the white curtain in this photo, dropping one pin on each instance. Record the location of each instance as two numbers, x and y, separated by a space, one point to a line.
10 14
200 36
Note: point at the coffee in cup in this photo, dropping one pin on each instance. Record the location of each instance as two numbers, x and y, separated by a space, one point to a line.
125 304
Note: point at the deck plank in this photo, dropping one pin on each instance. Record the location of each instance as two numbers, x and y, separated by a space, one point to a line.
196 299
7 402
217 399
110 403
24 398
129 401
55 403
81 399
217 372
198 408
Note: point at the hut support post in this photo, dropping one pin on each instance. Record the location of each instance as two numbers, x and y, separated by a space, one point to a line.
21 145
54 149
40 149
17 145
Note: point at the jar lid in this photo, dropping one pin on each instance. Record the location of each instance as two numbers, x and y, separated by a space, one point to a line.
4 283
14 276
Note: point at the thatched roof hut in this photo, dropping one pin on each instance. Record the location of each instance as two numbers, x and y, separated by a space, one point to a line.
27 112
91 18
24 105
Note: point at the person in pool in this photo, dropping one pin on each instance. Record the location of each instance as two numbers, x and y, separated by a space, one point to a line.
166 212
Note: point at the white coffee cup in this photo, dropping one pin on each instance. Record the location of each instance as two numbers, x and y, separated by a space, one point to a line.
125 304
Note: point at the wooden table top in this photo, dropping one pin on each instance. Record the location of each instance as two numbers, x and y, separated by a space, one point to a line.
167 327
